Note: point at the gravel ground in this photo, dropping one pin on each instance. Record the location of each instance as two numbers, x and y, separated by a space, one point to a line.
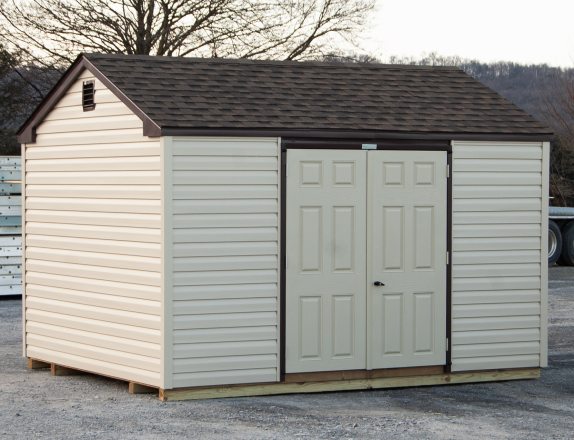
34 404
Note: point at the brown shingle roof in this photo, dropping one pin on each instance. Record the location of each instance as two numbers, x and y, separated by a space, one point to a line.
246 94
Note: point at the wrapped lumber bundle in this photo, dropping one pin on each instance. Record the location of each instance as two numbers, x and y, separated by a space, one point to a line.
10 225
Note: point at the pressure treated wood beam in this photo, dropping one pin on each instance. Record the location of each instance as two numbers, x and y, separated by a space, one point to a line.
217 392
34 364
138 388
59 370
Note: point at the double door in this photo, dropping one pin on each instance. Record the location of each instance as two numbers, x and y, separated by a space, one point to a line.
366 259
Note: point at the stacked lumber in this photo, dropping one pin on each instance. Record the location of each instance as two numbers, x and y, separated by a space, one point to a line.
10 225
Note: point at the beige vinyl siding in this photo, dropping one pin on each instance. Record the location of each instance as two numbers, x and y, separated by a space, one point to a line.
499 258
93 240
225 260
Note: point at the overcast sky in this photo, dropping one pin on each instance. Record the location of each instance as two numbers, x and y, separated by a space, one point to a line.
525 31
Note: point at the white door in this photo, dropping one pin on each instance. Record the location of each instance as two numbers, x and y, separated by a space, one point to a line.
326 260
407 253
342 237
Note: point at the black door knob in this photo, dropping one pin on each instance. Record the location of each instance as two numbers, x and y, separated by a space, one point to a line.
378 283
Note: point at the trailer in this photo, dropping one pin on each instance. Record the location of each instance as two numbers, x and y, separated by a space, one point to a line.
561 236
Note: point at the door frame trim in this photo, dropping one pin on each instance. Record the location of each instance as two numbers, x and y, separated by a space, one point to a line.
448 367
357 144
382 144
283 272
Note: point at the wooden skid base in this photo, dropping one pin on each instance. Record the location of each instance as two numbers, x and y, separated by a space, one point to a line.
217 392
315 382
61 370
34 364
137 388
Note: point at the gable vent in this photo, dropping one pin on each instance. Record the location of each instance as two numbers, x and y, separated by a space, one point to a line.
88 91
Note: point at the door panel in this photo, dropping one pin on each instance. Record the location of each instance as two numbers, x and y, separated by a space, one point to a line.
424 237
393 237
407 236
391 311
310 324
343 238
343 326
311 239
326 260
424 322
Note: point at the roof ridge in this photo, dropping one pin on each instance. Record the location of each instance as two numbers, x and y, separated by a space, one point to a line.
161 58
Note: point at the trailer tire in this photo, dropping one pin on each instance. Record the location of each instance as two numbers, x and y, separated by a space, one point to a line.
568 244
555 243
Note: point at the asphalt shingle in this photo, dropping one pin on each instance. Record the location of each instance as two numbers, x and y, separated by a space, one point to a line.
227 94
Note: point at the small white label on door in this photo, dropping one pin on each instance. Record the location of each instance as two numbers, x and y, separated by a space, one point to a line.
369 146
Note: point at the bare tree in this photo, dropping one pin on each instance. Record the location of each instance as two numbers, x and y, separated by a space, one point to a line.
557 106
53 32
558 103
22 87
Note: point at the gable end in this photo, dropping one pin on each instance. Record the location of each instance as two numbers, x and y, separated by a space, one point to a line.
27 133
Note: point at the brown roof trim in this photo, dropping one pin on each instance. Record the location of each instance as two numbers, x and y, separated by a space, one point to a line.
150 128
357 144
334 134
27 133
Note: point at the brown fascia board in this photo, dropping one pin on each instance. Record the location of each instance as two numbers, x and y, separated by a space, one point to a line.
27 133
335 134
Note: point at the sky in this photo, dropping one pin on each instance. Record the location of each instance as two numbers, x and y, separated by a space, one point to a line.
525 31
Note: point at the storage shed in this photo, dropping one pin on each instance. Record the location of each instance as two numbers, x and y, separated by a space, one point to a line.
232 227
